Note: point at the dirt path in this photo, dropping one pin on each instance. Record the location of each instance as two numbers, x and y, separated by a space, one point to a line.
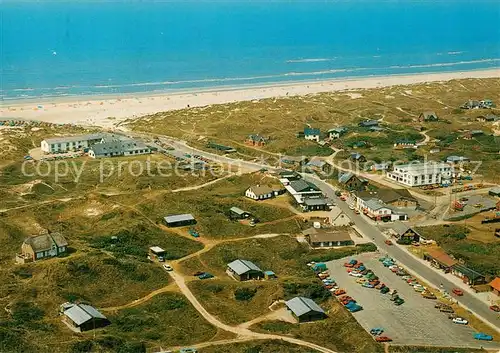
169 288
189 188
242 332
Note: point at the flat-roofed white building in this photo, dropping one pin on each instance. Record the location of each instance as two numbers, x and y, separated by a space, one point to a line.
418 174
70 143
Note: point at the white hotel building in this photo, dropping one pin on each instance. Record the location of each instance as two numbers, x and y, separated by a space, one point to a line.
70 143
418 174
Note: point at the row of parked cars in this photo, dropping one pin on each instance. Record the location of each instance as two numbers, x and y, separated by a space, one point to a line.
426 293
368 279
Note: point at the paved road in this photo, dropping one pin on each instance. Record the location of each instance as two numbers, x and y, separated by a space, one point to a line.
407 260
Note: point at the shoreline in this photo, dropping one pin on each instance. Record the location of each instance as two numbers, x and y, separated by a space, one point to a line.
97 110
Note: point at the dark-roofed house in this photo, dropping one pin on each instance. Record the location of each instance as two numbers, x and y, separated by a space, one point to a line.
244 270
428 116
42 246
457 159
305 309
293 160
358 157
338 218
312 134
468 275
83 317
404 233
440 260
314 204
238 213
495 191
259 192
303 187
179 220
487 118
118 146
325 238
350 181
393 197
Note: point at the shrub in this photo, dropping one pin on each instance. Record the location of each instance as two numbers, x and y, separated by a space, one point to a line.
244 294
82 347
26 312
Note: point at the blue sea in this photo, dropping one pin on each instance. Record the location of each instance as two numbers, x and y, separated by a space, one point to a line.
70 48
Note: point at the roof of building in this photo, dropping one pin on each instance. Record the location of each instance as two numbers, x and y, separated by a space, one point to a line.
269 273
257 138
325 235
301 305
495 190
311 131
118 145
316 163
76 138
374 204
399 227
260 189
302 185
335 212
367 123
237 210
179 218
495 284
81 313
429 114
339 130
456 159
356 156
44 242
441 257
156 249
315 201
419 168
345 177
376 128
468 272
386 195
243 266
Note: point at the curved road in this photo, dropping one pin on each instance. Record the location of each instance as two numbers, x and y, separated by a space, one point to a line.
476 306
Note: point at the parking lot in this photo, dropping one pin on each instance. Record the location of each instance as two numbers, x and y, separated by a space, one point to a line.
415 322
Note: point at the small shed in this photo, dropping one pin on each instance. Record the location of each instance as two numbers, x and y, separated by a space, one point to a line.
269 275
495 191
83 317
305 309
238 213
244 270
179 220
440 260
156 253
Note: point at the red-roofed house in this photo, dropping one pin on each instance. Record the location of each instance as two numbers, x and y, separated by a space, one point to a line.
495 286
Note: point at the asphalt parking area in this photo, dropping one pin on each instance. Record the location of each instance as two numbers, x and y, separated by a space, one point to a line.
415 322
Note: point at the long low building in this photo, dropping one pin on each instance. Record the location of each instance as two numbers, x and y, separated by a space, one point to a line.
326 238
244 270
179 220
70 143
117 147
83 317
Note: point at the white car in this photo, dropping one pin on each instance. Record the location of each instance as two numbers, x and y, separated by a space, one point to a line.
167 267
355 274
459 320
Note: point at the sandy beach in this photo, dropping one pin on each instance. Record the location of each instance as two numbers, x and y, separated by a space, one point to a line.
107 111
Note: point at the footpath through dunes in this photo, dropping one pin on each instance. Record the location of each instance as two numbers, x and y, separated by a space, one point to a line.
241 332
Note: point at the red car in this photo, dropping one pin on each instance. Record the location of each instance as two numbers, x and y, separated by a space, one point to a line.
339 292
383 339
495 308
388 242
457 291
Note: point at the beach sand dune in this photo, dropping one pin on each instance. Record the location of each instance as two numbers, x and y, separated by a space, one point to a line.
108 112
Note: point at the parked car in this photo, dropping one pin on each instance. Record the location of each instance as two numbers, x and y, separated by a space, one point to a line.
388 242
167 267
446 309
355 274
376 331
361 280
339 292
198 273
206 275
483 337
380 286
383 339
385 290
367 285
457 291
188 350
428 295
399 301
459 320
495 308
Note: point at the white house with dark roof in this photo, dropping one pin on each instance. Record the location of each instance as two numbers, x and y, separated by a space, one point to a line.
305 309
244 270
